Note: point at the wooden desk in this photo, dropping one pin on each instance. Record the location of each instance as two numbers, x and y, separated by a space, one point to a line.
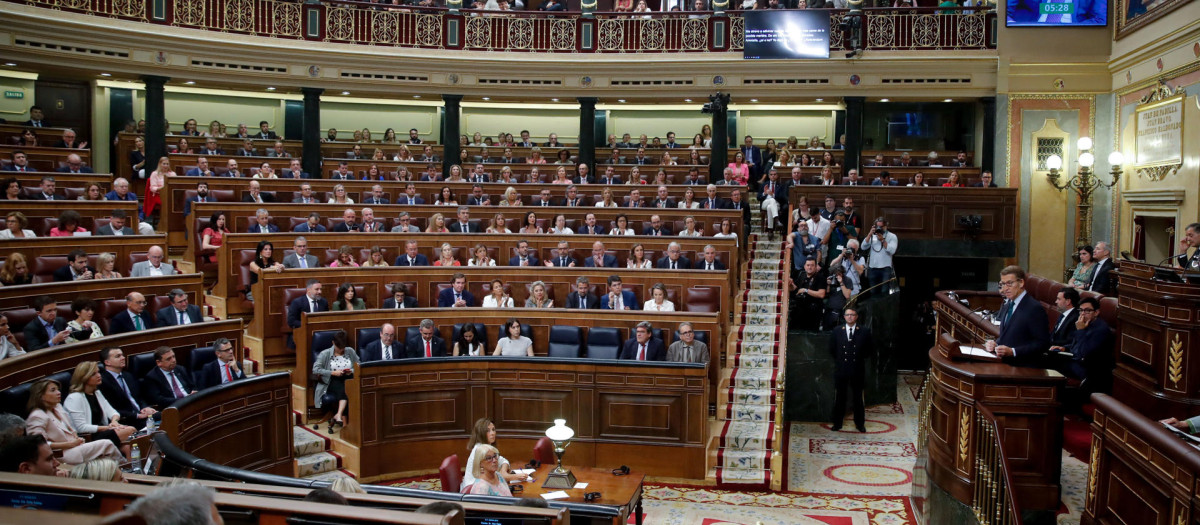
621 492
1139 472
1028 403
926 220
653 416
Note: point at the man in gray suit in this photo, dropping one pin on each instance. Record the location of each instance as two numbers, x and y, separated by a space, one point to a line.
154 266
403 225
116 225
687 349
301 259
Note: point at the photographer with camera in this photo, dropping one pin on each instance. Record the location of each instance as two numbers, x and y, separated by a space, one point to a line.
839 293
852 264
880 245
803 245
808 297
839 236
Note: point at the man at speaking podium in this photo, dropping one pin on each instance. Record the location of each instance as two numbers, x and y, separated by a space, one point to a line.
1024 328
1191 239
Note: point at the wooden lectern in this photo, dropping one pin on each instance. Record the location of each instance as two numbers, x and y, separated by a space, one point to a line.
1158 341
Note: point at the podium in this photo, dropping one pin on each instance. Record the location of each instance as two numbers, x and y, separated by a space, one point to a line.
1158 341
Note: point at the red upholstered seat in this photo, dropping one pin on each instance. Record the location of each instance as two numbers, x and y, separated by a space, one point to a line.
543 451
702 299
450 473
288 295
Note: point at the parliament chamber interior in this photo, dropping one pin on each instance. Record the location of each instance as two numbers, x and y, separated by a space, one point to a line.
684 237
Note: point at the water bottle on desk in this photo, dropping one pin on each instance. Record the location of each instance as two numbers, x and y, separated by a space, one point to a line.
135 458
150 424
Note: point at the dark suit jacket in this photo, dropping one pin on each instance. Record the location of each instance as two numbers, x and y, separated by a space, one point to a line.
610 261
1027 331
217 151
416 347
446 298
718 203
1102 283
403 199
346 228
402 260
288 174
107 230
255 228
157 392
600 230
122 322
457 227
850 354
116 397
374 351
683 263
300 305
39 196
1065 329
266 197
655 350
591 302
409 302
1092 350
606 180
303 228
980 185
210 375
699 264
35 333
649 230
669 203
195 172
168 317
557 262
82 169
187 204
267 135
372 202
64 274
516 261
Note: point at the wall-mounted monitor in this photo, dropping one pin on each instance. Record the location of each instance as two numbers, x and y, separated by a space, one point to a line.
1057 13
786 34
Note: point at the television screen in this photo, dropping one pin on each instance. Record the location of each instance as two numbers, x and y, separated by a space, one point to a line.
787 34
1057 13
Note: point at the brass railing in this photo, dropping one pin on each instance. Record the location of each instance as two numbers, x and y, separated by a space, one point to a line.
993 502
365 23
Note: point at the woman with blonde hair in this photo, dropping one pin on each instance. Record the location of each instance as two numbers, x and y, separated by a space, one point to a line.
98 470
15 271
480 257
510 197
484 434
345 258
560 176
105 264
538 297
606 199
375 258
635 176
378 155
339 195
404 155
48 418
535 156
90 412
437 224
447 256
498 225
216 130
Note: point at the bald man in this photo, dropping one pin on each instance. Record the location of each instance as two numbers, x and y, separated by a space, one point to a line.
154 265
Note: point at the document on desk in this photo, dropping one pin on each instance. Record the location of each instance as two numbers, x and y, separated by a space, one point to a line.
976 351
558 494
1192 440
581 485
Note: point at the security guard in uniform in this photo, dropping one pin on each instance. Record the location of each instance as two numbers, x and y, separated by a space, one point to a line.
850 346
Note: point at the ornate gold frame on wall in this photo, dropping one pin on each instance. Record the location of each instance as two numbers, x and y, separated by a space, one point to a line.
1123 27
1161 95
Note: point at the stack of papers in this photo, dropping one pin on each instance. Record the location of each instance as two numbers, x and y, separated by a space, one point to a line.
558 494
976 351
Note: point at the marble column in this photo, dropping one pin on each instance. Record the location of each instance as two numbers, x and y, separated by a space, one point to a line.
587 135
450 132
311 132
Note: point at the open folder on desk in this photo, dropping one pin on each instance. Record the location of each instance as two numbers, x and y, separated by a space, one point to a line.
951 348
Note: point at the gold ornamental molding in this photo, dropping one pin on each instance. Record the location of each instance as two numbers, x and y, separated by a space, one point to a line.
964 433
1161 98
1093 470
1175 361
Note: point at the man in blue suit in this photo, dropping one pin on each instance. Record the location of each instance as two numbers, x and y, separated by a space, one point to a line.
523 257
753 157
201 169
312 225
75 165
200 196
262 223
411 257
885 179
456 296
617 297
590 227
643 347
410 196
1090 348
599 259
1024 327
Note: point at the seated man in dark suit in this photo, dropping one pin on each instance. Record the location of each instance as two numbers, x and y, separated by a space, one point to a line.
224 369
312 225
201 169
523 256
167 382
709 261
456 296
464 224
134 318
76 269
46 329
47 194
563 258
985 181
674 260
264 131
590 227
904 160
211 147
385 348
122 390
1024 329
262 223
200 196
643 347
311 302
411 257
294 171
609 177
75 165
877 161
1063 333
581 298
427 344
599 259
180 312
1102 281
116 225
656 227
399 298
349 222
885 179
256 194
1090 348
711 200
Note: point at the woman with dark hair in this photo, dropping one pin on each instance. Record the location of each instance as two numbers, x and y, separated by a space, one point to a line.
530 224
513 343
446 197
48 418
333 366
1082 276
12 189
484 433
469 342
264 261
347 299
68 224
213 236
622 226
564 156
29 138
497 299
82 327
93 192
